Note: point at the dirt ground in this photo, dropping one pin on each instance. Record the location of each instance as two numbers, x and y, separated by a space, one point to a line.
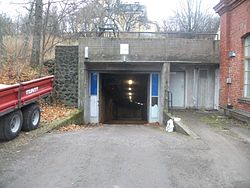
120 156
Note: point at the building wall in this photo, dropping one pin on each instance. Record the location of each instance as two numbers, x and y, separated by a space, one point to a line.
146 55
193 85
156 49
235 24
66 74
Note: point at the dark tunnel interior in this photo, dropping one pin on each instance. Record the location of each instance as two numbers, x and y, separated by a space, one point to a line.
123 98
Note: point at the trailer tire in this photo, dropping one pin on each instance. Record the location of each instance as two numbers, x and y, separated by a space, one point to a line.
31 117
11 125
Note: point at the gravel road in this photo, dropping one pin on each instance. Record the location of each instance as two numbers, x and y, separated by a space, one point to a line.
122 156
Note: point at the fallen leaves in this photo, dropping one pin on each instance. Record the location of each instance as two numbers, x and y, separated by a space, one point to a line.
155 124
73 127
68 128
53 112
50 113
19 71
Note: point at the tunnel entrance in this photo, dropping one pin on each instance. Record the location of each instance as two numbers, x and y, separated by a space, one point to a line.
124 98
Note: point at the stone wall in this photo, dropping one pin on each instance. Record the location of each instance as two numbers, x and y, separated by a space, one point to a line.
49 65
66 75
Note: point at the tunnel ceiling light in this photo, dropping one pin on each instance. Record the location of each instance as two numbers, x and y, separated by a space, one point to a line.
130 94
130 97
129 88
130 82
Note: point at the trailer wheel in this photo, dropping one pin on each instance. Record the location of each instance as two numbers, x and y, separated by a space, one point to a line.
31 117
11 125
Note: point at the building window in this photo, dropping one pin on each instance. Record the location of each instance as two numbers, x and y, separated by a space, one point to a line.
247 67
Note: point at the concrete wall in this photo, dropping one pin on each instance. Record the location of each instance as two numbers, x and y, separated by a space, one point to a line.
169 49
66 74
146 55
193 98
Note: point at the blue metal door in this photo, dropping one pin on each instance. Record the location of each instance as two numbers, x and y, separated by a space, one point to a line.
94 97
154 98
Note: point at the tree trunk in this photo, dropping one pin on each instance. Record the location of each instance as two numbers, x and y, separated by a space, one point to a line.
3 52
37 35
24 49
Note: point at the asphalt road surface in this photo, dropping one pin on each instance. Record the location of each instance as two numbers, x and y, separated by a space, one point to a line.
126 156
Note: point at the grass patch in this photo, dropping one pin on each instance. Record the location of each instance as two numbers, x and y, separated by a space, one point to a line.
221 122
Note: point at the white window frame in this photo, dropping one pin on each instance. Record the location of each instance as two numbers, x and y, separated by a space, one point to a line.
246 67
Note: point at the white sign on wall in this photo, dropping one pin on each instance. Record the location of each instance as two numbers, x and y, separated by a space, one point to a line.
124 49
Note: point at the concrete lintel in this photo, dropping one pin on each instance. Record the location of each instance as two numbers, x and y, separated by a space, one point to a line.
122 62
193 63
131 67
147 62
112 62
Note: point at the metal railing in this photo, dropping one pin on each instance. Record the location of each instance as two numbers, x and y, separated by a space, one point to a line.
170 102
112 34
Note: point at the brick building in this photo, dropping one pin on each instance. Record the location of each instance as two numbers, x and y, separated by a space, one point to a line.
234 54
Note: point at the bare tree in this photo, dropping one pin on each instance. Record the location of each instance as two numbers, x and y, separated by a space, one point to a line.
7 27
47 24
92 15
53 18
130 17
2 47
191 17
85 16
27 24
37 34
124 16
107 14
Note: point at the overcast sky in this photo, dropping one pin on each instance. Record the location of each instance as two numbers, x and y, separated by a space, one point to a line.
157 10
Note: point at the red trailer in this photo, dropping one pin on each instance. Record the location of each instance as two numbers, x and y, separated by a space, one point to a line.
19 108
